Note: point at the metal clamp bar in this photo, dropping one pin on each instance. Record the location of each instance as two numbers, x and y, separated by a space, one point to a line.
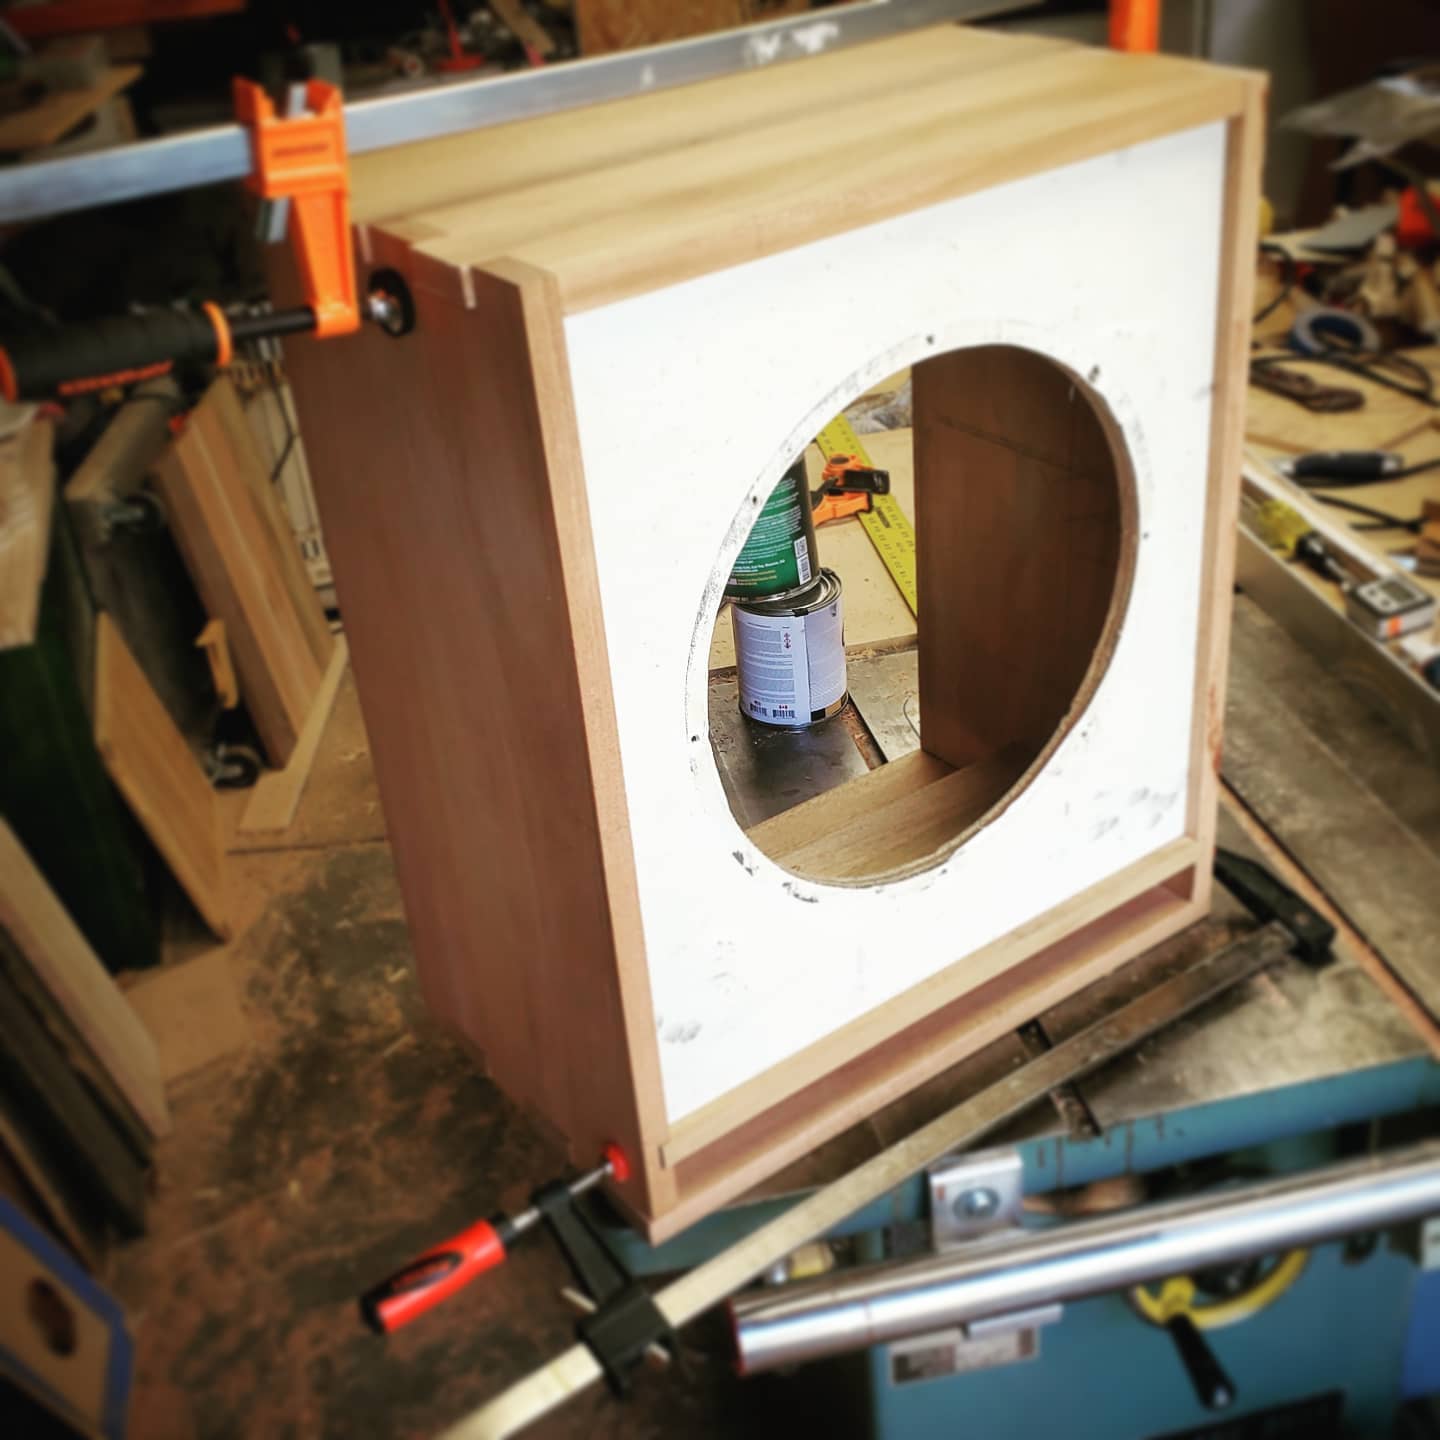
1074 1262
222 152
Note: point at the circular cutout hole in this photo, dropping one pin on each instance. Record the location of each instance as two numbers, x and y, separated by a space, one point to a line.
1023 500
52 1316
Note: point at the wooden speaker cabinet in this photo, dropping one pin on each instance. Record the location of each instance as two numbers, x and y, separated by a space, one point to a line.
630 319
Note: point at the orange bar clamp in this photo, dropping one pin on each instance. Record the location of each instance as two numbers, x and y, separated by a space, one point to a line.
301 158
1135 25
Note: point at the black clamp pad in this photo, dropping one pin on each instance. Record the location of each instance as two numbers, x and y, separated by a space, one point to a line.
1268 898
619 1333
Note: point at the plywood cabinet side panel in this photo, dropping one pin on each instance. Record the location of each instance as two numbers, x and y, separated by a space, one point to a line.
431 460
1020 516
430 179
632 1009
1244 158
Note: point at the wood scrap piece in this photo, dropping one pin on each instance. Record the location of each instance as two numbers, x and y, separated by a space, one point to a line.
27 479
135 572
826 813
53 116
54 791
161 780
81 1228
524 26
243 560
194 1012
276 796
60 958
606 25
911 826
118 462
250 461
75 1137
50 1017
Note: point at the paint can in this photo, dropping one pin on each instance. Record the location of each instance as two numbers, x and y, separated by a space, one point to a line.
779 556
790 655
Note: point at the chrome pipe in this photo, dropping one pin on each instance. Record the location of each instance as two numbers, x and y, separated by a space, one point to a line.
993 1278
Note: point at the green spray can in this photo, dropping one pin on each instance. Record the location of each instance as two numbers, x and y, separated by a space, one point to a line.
779 557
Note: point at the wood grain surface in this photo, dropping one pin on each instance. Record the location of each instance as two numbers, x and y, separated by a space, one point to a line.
27 491
1025 536
162 782
229 525
516 870
717 174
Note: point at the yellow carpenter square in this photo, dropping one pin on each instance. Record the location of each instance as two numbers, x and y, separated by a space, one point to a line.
885 523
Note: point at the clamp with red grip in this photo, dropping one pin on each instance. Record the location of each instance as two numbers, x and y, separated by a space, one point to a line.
436 1275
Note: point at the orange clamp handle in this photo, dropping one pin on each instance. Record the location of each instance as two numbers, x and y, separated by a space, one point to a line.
839 507
1135 26
302 158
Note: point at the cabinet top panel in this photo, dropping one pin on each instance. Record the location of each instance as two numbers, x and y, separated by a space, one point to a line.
637 194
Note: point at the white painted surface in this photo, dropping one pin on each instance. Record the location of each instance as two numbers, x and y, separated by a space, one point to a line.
693 399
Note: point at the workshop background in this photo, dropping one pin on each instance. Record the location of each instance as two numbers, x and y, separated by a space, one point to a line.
225 1112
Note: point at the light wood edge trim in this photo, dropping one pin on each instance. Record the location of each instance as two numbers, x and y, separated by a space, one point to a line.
702 1127
276 797
539 297
888 56
32 462
606 287
1244 153
1136 935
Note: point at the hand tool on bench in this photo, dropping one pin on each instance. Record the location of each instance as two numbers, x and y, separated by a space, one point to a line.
1304 389
646 1318
449 1266
848 486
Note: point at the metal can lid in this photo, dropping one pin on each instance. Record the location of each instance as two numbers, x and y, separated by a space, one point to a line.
822 591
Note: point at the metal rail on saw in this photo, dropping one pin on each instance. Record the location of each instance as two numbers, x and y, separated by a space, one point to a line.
711 1283
223 152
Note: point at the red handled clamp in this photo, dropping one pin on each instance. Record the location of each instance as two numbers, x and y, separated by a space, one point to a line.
448 1267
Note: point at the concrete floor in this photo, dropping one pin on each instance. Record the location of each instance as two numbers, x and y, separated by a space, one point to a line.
339 1133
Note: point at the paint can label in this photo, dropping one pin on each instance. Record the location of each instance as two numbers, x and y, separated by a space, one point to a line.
791 664
779 555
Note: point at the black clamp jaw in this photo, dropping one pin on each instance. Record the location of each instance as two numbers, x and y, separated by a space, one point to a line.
1270 899
626 1322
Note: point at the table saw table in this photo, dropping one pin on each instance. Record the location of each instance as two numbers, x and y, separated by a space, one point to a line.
1290 1070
